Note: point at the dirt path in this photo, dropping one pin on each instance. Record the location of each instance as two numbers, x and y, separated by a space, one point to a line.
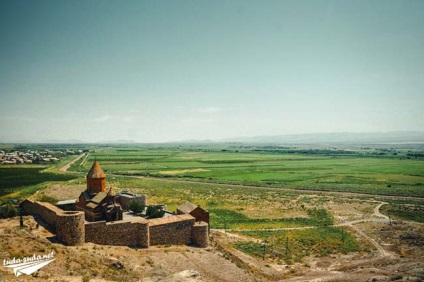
380 249
377 212
68 165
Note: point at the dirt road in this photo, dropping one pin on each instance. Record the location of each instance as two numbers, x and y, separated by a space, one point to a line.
68 165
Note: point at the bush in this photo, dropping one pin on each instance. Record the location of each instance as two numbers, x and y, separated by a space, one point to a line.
154 212
8 210
136 207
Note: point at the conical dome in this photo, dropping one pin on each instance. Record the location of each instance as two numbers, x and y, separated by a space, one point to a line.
96 171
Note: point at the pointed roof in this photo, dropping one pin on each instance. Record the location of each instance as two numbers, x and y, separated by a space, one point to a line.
96 171
187 207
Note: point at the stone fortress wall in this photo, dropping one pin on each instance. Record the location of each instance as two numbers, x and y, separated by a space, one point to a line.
71 228
174 230
200 234
118 233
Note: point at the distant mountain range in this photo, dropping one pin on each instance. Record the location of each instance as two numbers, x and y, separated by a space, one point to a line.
310 138
335 138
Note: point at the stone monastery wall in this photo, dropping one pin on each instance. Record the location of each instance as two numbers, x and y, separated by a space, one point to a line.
71 228
69 225
174 230
119 233
200 234
45 210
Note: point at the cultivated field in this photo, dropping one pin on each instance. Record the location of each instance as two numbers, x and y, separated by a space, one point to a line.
398 172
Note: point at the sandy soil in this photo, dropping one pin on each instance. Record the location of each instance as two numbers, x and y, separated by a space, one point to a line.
61 192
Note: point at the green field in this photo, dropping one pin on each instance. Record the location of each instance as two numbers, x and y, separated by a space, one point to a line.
21 181
351 172
292 246
228 219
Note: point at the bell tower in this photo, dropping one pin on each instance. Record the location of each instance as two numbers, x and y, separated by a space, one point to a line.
96 179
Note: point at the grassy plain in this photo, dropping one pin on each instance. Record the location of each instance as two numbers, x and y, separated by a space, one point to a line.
359 172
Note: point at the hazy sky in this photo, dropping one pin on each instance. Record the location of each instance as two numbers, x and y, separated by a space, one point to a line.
155 71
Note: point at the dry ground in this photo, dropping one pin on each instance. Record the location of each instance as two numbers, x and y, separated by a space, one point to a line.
220 262
111 263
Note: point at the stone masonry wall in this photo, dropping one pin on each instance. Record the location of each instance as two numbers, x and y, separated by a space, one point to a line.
46 211
174 230
70 228
200 234
118 233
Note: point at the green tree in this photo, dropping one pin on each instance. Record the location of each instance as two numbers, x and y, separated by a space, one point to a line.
136 207
154 212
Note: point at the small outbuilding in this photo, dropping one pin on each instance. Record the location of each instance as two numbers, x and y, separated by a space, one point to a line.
197 212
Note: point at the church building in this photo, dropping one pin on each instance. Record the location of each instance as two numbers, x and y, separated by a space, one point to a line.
95 202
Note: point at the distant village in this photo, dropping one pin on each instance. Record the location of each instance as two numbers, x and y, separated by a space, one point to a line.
35 156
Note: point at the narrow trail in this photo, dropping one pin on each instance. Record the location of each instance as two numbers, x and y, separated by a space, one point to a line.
85 159
379 248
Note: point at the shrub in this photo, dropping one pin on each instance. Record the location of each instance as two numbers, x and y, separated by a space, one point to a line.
154 212
136 207
8 210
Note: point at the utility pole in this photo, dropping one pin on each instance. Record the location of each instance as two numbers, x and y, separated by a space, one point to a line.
263 255
287 246
21 213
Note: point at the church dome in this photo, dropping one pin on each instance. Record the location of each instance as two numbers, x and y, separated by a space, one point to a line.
96 171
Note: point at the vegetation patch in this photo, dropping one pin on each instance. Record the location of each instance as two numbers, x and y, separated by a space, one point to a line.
228 219
293 245
408 212
14 179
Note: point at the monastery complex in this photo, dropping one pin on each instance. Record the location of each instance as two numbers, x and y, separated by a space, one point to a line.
98 217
